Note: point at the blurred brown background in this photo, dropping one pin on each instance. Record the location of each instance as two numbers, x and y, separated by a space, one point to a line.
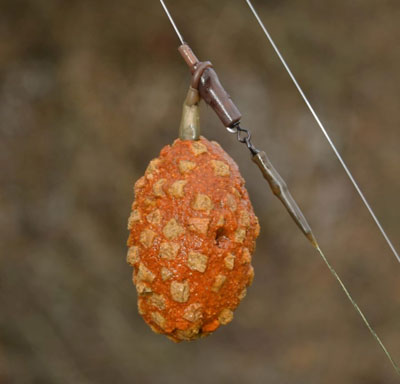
91 90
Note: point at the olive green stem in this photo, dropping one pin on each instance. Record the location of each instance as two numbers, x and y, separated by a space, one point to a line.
189 128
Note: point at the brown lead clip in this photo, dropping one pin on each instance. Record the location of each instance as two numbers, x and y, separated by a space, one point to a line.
206 81
210 88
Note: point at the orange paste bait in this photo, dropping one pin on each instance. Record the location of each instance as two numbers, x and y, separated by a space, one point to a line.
192 233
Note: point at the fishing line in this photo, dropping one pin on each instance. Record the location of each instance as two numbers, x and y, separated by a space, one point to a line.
332 270
323 130
357 308
172 21
211 91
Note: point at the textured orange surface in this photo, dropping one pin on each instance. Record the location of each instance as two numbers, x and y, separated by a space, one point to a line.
192 232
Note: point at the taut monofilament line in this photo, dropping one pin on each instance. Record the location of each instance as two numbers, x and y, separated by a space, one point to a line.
324 131
212 92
